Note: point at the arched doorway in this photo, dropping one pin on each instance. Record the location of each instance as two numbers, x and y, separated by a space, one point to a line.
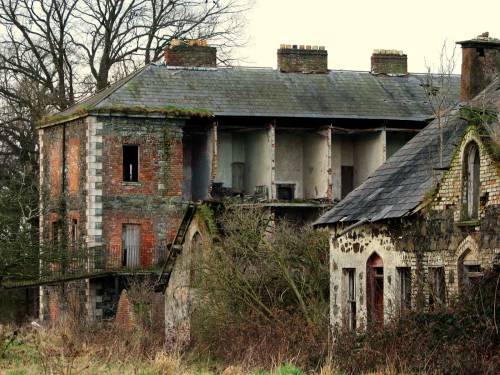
375 289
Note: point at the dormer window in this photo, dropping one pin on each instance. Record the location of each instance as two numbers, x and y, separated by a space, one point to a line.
471 180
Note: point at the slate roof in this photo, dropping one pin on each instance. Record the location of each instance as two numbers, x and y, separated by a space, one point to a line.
270 93
403 181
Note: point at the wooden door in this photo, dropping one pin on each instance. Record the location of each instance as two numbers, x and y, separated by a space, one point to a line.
375 289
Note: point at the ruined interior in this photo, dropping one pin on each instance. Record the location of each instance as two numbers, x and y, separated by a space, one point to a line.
301 164
243 161
197 163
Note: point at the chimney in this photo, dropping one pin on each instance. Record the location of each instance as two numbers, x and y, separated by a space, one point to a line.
390 62
480 64
194 53
302 59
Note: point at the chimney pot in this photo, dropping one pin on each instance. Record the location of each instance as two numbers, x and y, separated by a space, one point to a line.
193 53
480 64
389 61
305 59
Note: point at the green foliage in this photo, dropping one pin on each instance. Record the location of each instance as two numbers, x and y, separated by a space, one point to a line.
477 117
208 216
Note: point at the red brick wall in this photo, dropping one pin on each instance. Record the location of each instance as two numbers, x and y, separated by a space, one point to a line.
73 165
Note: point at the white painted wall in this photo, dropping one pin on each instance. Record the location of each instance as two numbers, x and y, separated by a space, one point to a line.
230 149
336 156
369 153
289 159
224 158
316 164
343 254
258 160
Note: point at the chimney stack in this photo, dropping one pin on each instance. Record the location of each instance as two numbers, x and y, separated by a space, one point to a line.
480 64
302 59
192 53
390 62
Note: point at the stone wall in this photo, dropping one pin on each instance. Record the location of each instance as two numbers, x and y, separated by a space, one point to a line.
436 236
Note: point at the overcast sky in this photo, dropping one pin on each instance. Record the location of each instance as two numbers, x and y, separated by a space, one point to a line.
351 29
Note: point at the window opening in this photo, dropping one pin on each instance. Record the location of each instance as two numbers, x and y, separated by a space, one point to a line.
471 181
404 287
74 234
437 292
130 163
349 276
285 192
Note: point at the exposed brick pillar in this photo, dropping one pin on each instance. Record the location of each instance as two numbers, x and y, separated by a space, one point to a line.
391 62
302 59
193 53
125 317
480 64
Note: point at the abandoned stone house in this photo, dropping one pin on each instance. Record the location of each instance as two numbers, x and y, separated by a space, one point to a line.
120 171
425 225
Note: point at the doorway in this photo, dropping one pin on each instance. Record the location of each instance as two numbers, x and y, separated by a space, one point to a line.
375 289
131 239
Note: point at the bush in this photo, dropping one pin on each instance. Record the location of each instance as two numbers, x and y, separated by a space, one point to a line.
460 339
263 291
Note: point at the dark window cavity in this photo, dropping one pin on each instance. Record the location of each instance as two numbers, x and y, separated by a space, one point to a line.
404 274
74 234
130 163
437 291
285 192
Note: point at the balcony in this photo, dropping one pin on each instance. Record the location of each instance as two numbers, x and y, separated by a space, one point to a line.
58 266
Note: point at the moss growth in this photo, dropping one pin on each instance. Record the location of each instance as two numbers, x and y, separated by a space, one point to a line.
208 216
168 111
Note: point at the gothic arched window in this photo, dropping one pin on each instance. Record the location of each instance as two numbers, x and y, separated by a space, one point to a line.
471 181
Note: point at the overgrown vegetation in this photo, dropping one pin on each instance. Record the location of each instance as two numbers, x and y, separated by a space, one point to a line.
263 292
462 338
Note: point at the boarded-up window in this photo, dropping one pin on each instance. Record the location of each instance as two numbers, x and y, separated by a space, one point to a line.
130 163
131 240
350 293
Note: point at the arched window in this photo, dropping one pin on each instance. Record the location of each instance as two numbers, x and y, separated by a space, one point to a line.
471 180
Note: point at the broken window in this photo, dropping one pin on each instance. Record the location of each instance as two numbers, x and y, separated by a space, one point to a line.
350 289
74 234
437 289
471 181
404 274
285 192
131 240
130 163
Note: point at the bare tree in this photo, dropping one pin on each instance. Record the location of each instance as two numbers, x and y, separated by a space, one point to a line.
37 47
440 91
130 32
